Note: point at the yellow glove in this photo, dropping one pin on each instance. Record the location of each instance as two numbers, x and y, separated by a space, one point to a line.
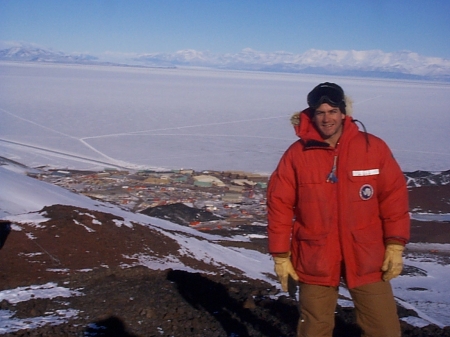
284 269
393 261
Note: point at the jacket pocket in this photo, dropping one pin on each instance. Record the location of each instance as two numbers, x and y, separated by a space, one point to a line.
368 249
362 188
313 257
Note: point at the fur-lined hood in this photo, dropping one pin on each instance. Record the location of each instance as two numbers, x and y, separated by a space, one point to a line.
301 120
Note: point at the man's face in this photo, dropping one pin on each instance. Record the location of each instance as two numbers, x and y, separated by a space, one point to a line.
328 120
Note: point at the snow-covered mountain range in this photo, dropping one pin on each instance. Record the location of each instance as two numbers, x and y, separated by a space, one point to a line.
36 54
376 63
366 63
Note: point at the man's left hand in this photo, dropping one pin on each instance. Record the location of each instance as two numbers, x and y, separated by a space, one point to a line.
393 261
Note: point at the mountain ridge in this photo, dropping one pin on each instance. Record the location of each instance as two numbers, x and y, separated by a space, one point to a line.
361 63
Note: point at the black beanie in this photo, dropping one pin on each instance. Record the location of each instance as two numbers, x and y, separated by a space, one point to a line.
329 93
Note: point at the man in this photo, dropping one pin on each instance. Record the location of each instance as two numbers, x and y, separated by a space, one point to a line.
338 208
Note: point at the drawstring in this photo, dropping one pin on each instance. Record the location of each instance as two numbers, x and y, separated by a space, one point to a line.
332 175
365 133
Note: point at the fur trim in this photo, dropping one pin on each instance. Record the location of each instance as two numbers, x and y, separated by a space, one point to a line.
295 118
348 105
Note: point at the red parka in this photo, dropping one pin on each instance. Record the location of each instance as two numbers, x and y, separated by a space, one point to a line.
341 228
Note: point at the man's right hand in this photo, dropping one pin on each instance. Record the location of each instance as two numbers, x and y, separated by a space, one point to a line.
284 269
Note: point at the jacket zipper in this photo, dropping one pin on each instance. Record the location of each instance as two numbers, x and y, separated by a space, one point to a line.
332 178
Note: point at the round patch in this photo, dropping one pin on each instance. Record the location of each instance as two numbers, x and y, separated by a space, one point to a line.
366 192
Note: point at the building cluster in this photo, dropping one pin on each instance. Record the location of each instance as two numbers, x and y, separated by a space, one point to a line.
238 197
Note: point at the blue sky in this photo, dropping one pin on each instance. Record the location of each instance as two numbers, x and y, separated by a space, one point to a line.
221 26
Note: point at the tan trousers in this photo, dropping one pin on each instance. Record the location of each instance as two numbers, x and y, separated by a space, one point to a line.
375 310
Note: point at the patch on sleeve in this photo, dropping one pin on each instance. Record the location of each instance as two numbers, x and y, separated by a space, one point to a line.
366 192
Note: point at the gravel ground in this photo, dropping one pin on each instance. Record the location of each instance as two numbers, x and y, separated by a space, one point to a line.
142 302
